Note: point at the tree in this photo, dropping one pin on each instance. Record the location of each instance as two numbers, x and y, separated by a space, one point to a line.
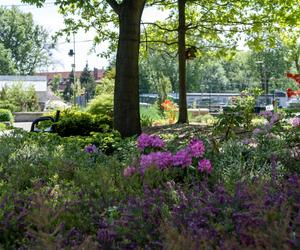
269 67
126 15
217 25
27 43
55 83
69 89
7 66
88 82
291 42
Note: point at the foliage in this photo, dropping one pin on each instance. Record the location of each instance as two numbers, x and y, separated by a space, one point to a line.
6 64
69 90
65 192
26 44
107 83
55 83
206 119
87 82
73 122
6 116
101 105
7 105
152 112
2 126
17 98
239 114
146 121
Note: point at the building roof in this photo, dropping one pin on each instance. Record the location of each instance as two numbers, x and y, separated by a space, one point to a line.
64 75
22 78
97 73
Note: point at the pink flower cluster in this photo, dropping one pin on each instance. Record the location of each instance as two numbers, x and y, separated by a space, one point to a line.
296 122
205 166
161 160
129 171
165 159
271 117
149 141
182 158
196 148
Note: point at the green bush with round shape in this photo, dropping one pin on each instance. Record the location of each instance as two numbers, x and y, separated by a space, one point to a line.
6 116
101 105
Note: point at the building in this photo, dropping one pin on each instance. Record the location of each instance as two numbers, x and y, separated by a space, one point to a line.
64 76
38 82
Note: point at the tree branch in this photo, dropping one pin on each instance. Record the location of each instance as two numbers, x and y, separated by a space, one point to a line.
115 6
160 27
159 41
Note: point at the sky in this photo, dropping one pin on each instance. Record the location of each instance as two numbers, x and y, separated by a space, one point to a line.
52 21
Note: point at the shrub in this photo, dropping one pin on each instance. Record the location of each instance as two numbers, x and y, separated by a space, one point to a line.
101 105
7 105
24 100
2 126
207 119
73 122
6 116
146 121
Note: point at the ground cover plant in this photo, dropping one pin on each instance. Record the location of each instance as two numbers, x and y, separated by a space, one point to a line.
173 187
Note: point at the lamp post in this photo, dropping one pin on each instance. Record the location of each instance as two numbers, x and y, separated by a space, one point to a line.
72 54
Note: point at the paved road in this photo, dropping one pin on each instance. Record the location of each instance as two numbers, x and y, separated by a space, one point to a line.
24 125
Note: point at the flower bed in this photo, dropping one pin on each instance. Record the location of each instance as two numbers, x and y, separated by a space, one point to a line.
152 192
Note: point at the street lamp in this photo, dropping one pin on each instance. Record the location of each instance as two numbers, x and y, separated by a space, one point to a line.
72 54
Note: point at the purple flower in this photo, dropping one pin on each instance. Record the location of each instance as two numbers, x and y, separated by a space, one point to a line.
266 114
182 158
91 148
275 118
161 160
257 132
196 148
145 141
129 171
205 166
296 122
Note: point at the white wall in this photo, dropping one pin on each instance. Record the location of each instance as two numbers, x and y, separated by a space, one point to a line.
40 85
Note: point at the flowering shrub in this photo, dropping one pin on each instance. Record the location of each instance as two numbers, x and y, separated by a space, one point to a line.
257 215
55 193
145 142
296 122
205 166
184 158
170 110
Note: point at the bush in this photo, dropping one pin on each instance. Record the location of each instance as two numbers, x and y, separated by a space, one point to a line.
23 100
207 119
73 122
101 105
2 126
6 116
7 105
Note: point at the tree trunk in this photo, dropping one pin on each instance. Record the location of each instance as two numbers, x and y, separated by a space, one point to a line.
183 116
126 98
